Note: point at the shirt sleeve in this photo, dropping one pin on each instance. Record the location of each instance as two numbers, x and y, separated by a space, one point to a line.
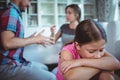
61 28
67 48
70 48
9 20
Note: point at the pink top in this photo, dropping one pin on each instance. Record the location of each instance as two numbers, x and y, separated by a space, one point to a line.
72 50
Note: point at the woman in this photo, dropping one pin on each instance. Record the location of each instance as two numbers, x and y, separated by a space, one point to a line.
66 31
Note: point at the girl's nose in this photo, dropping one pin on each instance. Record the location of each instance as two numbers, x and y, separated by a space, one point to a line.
98 55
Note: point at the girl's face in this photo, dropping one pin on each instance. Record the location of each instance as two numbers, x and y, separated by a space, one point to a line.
92 50
70 15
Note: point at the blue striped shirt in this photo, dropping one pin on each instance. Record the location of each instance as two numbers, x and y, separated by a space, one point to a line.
11 21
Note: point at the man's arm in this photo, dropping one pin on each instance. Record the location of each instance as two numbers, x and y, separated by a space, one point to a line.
9 41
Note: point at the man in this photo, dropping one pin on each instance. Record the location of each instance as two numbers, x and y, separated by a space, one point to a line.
12 42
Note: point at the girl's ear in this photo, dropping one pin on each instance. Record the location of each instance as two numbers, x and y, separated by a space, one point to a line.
77 45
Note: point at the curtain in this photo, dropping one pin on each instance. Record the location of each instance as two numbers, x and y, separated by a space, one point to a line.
106 10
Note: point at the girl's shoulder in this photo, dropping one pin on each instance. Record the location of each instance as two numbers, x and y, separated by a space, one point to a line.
69 47
72 50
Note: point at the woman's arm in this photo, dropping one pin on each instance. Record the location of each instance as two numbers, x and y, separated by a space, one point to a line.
107 62
57 36
53 35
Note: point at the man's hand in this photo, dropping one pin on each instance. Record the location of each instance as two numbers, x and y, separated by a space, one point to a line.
43 40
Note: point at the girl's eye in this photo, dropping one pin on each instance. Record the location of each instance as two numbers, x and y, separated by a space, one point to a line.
91 51
101 50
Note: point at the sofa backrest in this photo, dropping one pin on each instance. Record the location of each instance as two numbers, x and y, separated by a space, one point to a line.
113 37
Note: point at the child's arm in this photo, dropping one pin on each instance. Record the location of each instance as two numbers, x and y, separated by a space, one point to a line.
107 62
80 73
75 72
85 69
